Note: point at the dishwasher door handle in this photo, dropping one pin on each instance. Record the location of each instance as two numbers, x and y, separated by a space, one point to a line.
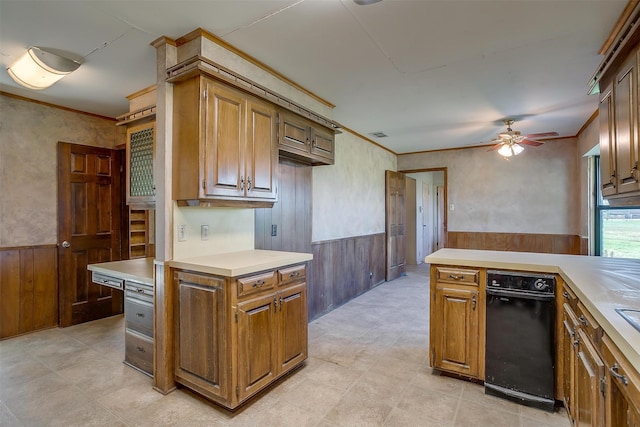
521 294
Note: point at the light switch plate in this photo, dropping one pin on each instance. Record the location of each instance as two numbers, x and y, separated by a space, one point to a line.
204 232
182 233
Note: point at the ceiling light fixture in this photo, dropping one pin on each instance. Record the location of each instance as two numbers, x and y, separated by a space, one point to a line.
365 2
510 149
39 68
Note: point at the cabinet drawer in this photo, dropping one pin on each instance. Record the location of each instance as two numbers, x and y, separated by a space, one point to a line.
138 351
458 275
138 291
291 274
104 280
258 283
589 324
621 372
139 316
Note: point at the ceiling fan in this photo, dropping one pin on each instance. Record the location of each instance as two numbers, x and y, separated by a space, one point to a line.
510 142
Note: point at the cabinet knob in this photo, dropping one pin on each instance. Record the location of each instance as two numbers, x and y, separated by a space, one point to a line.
140 349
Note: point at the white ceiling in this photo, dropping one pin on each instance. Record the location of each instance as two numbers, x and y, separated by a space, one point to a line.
430 74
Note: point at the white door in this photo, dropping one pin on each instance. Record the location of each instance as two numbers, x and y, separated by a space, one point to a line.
427 220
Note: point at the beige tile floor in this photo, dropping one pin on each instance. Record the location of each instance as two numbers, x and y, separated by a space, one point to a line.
367 366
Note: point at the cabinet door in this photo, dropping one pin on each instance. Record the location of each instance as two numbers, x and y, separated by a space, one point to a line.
200 353
626 105
457 330
322 145
589 373
261 151
608 179
570 342
257 351
292 318
294 134
139 183
622 399
223 134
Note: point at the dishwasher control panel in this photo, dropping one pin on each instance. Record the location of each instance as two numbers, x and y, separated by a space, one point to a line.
521 281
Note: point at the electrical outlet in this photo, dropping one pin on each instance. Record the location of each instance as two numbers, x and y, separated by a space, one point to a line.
204 232
182 233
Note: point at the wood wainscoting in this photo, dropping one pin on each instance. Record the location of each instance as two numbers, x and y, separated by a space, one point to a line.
343 269
517 242
28 289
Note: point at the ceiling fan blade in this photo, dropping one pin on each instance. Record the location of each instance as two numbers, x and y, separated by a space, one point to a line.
542 135
531 142
495 147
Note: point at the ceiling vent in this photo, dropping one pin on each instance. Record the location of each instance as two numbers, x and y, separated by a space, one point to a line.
379 134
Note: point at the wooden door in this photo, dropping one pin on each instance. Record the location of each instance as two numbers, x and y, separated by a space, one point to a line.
589 410
292 328
608 179
395 224
457 330
626 104
261 151
223 131
257 350
201 346
89 222
411 233
441 226
427 220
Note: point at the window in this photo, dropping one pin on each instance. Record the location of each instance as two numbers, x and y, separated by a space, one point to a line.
617 228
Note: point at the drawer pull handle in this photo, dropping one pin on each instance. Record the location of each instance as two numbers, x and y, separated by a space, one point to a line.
454 277
566 294
294 274
473 302
140 291
140 349
583 320
140 314
258 283
616 374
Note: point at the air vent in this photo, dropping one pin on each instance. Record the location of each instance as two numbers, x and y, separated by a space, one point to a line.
379 134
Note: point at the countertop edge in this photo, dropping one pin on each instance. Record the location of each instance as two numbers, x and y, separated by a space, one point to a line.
119 269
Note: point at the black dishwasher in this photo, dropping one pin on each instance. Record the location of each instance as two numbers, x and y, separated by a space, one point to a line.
519 356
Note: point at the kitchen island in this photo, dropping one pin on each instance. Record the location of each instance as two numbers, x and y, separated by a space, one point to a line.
597 349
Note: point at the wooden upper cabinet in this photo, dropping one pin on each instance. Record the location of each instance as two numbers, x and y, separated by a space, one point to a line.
626 115
225 145
306 141
608 177
140 186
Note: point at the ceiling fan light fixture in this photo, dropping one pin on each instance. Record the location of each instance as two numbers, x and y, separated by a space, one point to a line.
508 150
39 68
517 149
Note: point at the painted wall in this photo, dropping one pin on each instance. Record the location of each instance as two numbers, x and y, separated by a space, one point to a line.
535 192
349 196
29 135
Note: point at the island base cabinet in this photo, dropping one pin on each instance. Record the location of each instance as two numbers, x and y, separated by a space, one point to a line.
236 335
200 339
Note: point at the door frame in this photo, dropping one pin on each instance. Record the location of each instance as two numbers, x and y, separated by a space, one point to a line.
445 196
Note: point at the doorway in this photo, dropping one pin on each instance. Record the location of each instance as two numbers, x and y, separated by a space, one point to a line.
430 224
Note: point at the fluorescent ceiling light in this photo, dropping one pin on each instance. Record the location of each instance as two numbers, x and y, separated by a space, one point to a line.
365 2
38 68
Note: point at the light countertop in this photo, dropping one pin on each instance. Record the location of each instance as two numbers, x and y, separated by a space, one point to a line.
233 264
139 269
602 284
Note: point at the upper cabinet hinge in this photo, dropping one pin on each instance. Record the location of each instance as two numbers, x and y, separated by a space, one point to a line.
205 93
236 317
204 184
237 391
603 386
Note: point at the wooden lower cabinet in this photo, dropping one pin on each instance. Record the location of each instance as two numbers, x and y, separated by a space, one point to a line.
622 403
570 344
235 336
589 386
456 322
